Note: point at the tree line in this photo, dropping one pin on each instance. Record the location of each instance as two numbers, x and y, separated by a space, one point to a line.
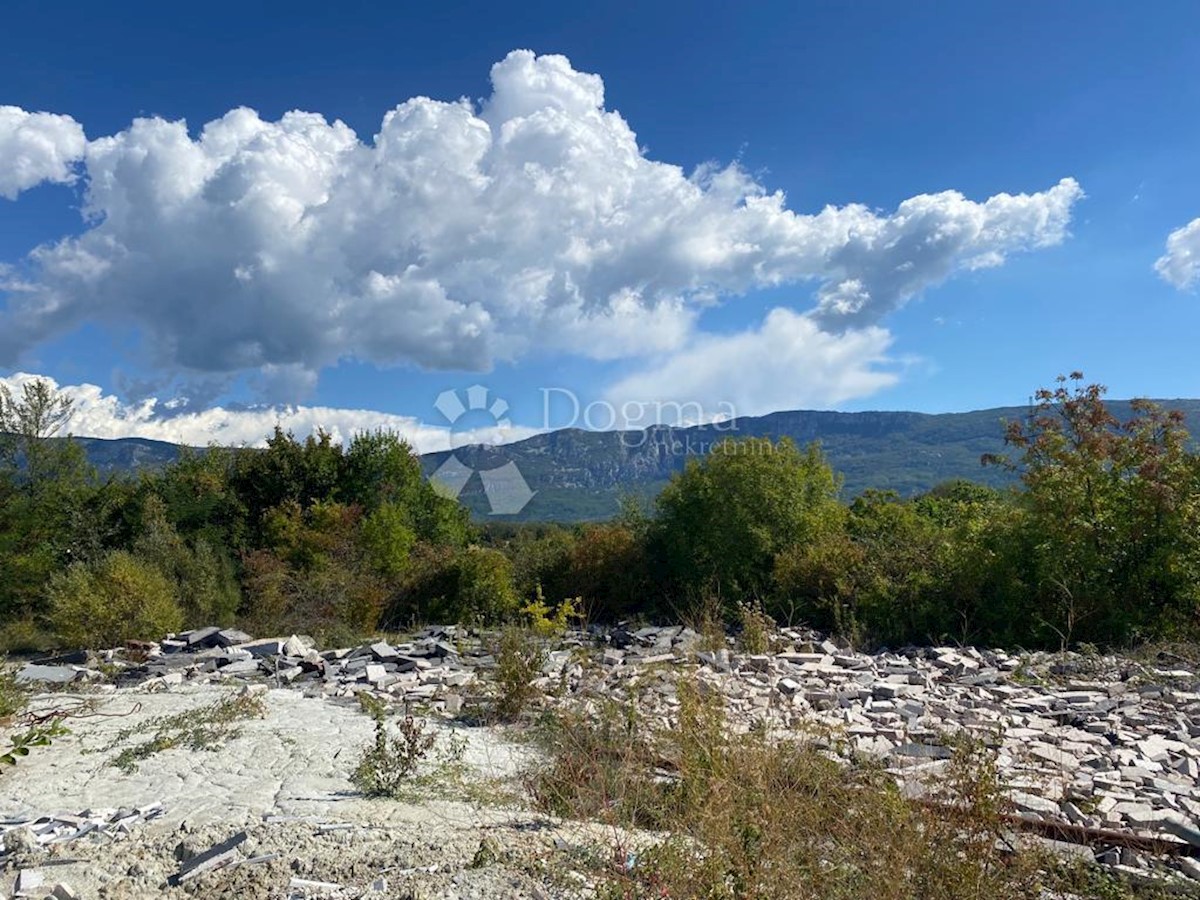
1100 543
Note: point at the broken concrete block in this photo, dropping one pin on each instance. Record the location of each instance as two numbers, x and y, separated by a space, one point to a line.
788 686
304 884
241 667
200 638
263 647
924 751
220 855
1189 867
384 652
30 883
228 637
1032 803
63 891
296 646
32 672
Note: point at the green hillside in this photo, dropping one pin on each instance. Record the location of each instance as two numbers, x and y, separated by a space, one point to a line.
580 475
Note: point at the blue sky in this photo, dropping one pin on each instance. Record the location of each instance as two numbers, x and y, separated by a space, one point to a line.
829 103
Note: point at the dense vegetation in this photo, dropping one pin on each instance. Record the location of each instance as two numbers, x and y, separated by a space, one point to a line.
1101 543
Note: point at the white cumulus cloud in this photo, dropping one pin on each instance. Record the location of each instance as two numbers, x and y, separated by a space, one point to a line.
462 234
36 147
1180 265
787 362
96 413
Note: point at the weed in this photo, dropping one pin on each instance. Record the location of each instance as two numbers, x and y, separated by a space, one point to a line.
38 735
206 728
29 730
549 621
519 661
389 761
13 696
756 627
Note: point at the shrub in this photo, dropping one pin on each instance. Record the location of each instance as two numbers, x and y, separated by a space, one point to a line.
390 761
332 600
444 585
756 627
485 590
608 569
204 580
13 695
519 660
548 621
116 599
541 558
724 518
24 635
818 582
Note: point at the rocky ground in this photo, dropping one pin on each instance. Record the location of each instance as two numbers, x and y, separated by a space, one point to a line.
1102 754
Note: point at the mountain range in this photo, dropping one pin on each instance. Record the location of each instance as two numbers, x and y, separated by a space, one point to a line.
578 475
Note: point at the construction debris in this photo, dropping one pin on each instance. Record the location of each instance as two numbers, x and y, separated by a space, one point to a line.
1096 752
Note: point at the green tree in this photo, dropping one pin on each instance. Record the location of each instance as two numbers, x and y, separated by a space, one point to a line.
27 423
202 576
388 539
721 522
1112 512
380 467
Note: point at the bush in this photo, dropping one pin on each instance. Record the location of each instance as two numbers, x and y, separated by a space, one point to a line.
549 621
390 761
205 583
332 600
24 635
116 599
13 695
444 585
608 570
519 660
485 590
756 627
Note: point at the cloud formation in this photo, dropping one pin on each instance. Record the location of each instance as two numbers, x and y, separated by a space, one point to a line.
37 147
786 363
1180 265
98 414
457 236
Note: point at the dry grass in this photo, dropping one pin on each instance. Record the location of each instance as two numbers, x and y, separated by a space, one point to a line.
742 817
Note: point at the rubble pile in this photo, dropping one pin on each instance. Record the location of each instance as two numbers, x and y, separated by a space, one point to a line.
425 670
24 840
1095 742
1099 744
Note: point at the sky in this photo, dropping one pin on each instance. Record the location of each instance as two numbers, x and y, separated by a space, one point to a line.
218 219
